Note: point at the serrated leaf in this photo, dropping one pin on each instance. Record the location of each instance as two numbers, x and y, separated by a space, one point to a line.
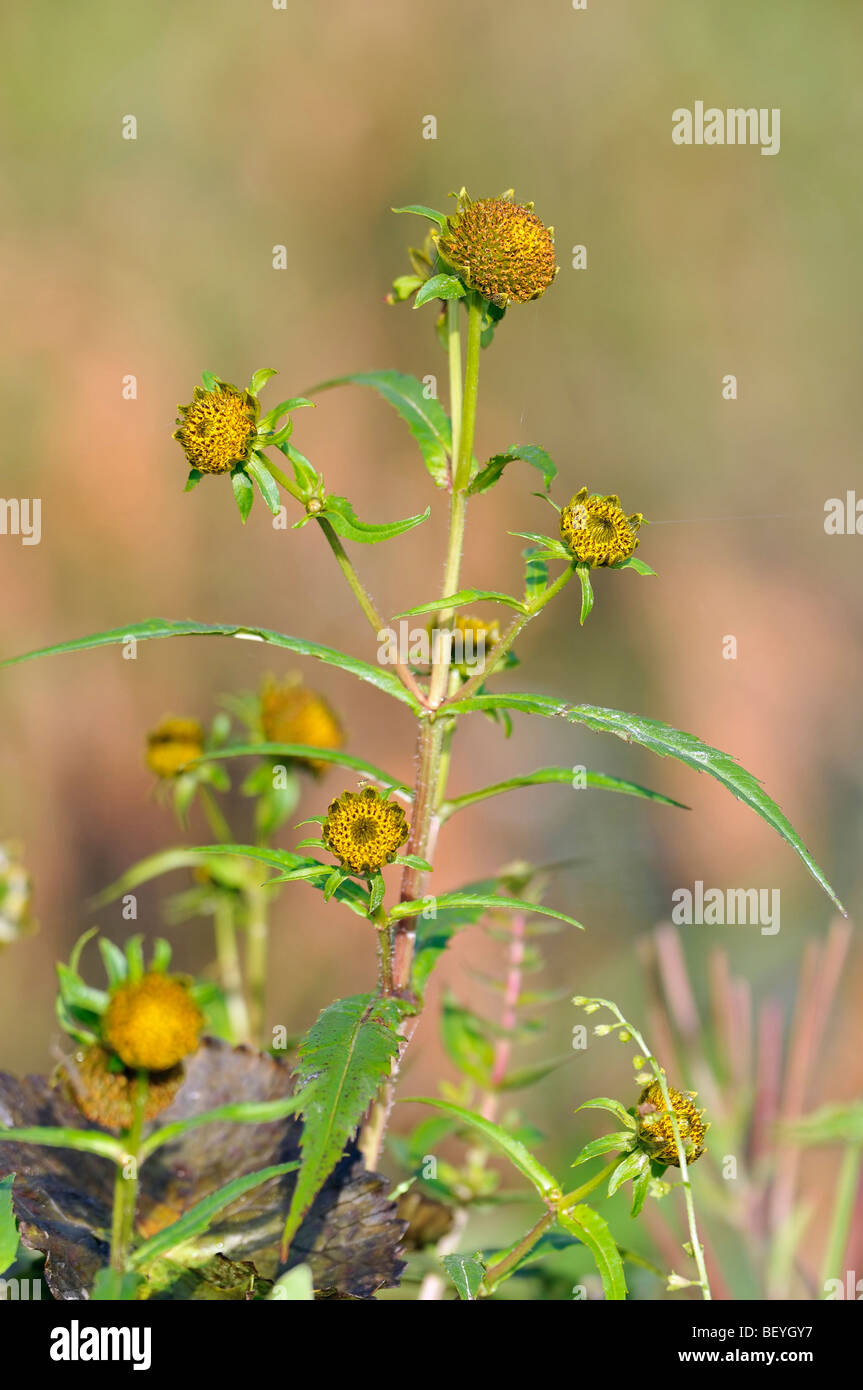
244 493
440 287
341 1063
164 627
666 742
592 1230
463 597
466 1273
561 776
422 211
519 1156
345 522
426 418
490 473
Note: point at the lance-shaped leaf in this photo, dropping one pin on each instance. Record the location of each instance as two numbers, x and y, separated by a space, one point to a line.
593 1231
667 742
422 211
345 521
463 597
517 1153
586 592
308 753
341 1063
490 900
426 419
528 453
164 627
561 776
440 287
607 1144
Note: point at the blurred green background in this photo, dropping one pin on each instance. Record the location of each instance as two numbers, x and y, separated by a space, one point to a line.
259 127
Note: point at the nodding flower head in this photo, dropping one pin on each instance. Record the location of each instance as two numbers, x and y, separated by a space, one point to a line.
364 830
655 1133
499 248
151 1024
104 1091
218 428
291 713
172 744
596 529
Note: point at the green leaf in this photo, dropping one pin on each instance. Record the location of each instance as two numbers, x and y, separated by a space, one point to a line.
294 867
621 1140
633 563
88 1141
305 751
341 1063
272 417
197 1219
832 1124
592 1230
163 627
519 1156
243 1112
561 776
466 1273
267 485
528 453
260 379
404 286
422 211
640 1189
193 479
631 1166
244 493
307 477
549 547
485 900
8 1225
535 574
426 418
345 522
210 381
465 1041
667 742
464 596
440 287
586 592
114 961
605 1103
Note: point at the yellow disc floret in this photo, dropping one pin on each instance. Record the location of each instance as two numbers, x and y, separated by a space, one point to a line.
597 530
152 1023
291 713
655 1132
172 744
217 427
500 248
364 831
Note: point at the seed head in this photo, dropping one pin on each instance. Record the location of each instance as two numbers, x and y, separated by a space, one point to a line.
217 428
107 1097
655 1133
364 831
500 249
597 530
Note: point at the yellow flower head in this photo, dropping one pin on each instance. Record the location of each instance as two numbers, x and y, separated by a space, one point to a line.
597 530
218 427
172 744
364 831
474 640
499 248
655 1133
107 1097
291 713
152 1023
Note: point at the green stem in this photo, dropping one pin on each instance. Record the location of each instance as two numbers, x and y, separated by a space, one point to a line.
496 1273
284 481
215 819
126 1188
257 944
843 1211
230 972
